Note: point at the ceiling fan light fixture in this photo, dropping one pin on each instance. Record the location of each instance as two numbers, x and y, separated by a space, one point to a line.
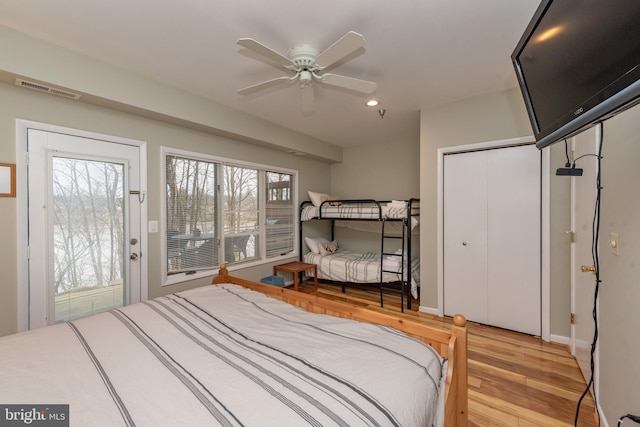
305 77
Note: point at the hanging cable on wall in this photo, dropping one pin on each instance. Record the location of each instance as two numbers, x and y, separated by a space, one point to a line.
635 418
595 228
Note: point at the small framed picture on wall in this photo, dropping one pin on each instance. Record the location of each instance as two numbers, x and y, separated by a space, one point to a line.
7 180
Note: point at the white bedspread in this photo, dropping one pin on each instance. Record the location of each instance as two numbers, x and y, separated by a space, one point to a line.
361 267
222 356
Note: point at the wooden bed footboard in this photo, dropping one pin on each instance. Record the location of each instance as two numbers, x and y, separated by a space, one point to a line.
451 344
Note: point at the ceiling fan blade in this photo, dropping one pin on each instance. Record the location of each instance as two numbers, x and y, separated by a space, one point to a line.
349 83
264 85
265 51
307 98
346 45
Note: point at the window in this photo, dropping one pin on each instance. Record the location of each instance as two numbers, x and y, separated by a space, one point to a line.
191 221
280 214
241 214
221 210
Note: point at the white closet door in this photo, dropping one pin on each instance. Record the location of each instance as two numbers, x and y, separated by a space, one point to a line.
513 249
465 231
492 237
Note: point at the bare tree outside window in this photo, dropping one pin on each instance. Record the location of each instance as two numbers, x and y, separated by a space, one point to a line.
88 235
218 211
192 237
241 214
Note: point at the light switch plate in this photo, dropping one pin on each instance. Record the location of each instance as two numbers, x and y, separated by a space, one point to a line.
614 244
153 226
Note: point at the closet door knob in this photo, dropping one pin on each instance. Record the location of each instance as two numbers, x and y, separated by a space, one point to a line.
464 243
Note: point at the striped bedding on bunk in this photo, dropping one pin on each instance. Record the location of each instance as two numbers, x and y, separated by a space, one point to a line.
353 211
223 355
361 267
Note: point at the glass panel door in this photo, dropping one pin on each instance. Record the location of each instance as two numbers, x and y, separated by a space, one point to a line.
84 234
88 206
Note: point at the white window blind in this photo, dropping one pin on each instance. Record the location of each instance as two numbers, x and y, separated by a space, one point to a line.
280 213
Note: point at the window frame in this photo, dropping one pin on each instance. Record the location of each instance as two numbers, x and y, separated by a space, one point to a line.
262 198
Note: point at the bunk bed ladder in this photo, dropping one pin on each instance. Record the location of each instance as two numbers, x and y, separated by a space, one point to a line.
393 256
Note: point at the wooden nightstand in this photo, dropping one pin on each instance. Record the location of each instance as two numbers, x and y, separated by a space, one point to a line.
297 267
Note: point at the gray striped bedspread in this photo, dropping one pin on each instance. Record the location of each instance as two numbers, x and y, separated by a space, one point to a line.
359 267
223 355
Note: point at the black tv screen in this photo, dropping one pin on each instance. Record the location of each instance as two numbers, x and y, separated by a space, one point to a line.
578 63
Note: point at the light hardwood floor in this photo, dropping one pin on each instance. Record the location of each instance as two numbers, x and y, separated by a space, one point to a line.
514 379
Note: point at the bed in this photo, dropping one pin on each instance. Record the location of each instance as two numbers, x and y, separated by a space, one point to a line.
361 209
239 353
394 220
363 267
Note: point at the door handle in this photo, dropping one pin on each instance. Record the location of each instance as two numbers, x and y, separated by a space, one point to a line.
588 268
134 256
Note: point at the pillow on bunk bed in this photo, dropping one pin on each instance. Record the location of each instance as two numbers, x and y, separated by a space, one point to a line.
313 243
328 248
400 204
318 198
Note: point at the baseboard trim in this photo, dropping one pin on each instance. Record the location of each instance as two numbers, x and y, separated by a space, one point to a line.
603 419
429 310
560 339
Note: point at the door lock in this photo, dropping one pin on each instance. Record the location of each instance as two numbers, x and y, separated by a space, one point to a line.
134 256
588 268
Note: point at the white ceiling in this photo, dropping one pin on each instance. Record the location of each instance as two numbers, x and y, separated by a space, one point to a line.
421 53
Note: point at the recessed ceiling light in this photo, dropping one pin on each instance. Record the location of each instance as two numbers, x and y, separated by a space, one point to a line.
372 103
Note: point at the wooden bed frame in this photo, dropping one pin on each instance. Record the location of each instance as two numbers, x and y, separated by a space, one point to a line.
451 344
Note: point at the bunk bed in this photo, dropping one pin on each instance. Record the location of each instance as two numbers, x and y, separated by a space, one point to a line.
237 353
394 220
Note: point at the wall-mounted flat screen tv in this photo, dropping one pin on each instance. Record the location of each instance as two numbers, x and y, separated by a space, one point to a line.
578 63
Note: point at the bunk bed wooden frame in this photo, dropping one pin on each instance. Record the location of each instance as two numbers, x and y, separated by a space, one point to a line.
412 206
451 344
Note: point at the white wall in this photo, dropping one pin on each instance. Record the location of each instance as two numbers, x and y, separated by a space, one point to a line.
403 169
30 105
376 171
380 171
486 118
105 85
502 116
620 288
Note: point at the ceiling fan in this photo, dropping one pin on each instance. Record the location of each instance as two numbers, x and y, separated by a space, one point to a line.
307 65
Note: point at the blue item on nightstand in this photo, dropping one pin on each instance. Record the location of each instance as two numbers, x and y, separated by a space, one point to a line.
273 280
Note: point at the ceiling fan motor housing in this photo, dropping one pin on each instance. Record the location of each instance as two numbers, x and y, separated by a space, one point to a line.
303 57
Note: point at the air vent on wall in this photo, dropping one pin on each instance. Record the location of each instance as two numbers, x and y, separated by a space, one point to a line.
47 89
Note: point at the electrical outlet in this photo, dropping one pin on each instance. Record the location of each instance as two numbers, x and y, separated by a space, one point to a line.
614 244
